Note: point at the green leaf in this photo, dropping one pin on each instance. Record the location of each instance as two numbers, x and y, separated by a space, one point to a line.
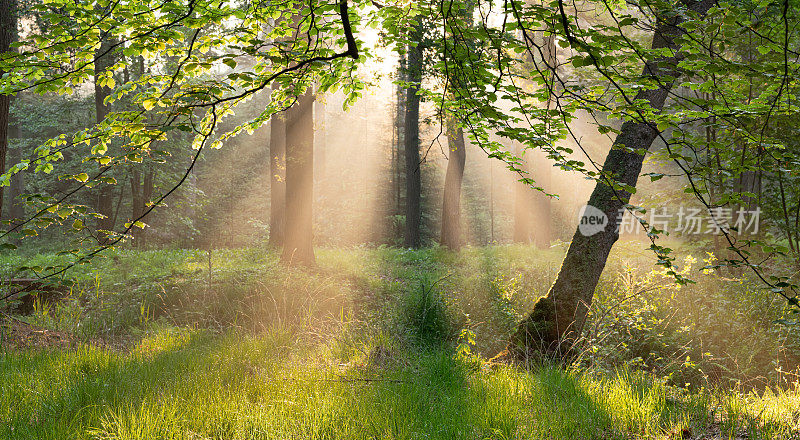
230 62
149 103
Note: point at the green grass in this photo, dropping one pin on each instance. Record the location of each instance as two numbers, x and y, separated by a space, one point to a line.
392 343
180 384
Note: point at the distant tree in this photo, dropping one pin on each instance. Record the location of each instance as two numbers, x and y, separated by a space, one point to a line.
414 63
457 16
451 207
542 203
218 56
103 59
277 180
523 196
142 185
16 209
298 234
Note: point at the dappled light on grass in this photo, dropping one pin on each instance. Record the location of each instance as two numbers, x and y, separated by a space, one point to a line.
373 343
228 386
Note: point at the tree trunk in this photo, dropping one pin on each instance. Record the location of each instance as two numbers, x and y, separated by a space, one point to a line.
141 193
557 319
298 246
522 207
105 202
542 204
398 164
16 209
8 34
542 218
411 139
451 208
532 208
277 181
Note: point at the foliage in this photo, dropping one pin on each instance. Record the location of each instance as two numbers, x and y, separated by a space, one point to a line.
718 331
691 334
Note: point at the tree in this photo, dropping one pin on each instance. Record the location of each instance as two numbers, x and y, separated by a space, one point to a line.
142 186
102 61
412 237
277 180
451 206
522 207
17 209
532 211
192 93
298 234
542 203
8 35
557 319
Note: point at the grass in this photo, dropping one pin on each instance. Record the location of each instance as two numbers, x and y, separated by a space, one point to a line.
180 384
388 343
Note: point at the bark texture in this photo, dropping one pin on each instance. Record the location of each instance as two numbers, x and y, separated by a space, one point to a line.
557 319
8 34
451 207
105 202
412 237
298 234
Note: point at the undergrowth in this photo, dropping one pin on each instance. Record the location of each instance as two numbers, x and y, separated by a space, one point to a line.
392 343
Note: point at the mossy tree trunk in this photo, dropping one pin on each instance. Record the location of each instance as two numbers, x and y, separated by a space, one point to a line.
558 318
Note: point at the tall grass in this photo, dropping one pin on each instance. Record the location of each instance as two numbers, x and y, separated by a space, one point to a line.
177 384
368 346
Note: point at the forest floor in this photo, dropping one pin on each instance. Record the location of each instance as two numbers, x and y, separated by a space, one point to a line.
374 343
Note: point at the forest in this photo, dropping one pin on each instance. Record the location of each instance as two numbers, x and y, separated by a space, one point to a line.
399 219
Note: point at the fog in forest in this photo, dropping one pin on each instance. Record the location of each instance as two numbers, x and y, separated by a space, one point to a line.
359 175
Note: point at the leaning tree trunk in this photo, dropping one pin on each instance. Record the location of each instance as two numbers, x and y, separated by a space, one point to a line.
277 180
451 207
411 140
557 319
8 34
298 247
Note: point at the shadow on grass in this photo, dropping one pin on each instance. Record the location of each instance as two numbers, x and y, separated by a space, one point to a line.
56 393
195 386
